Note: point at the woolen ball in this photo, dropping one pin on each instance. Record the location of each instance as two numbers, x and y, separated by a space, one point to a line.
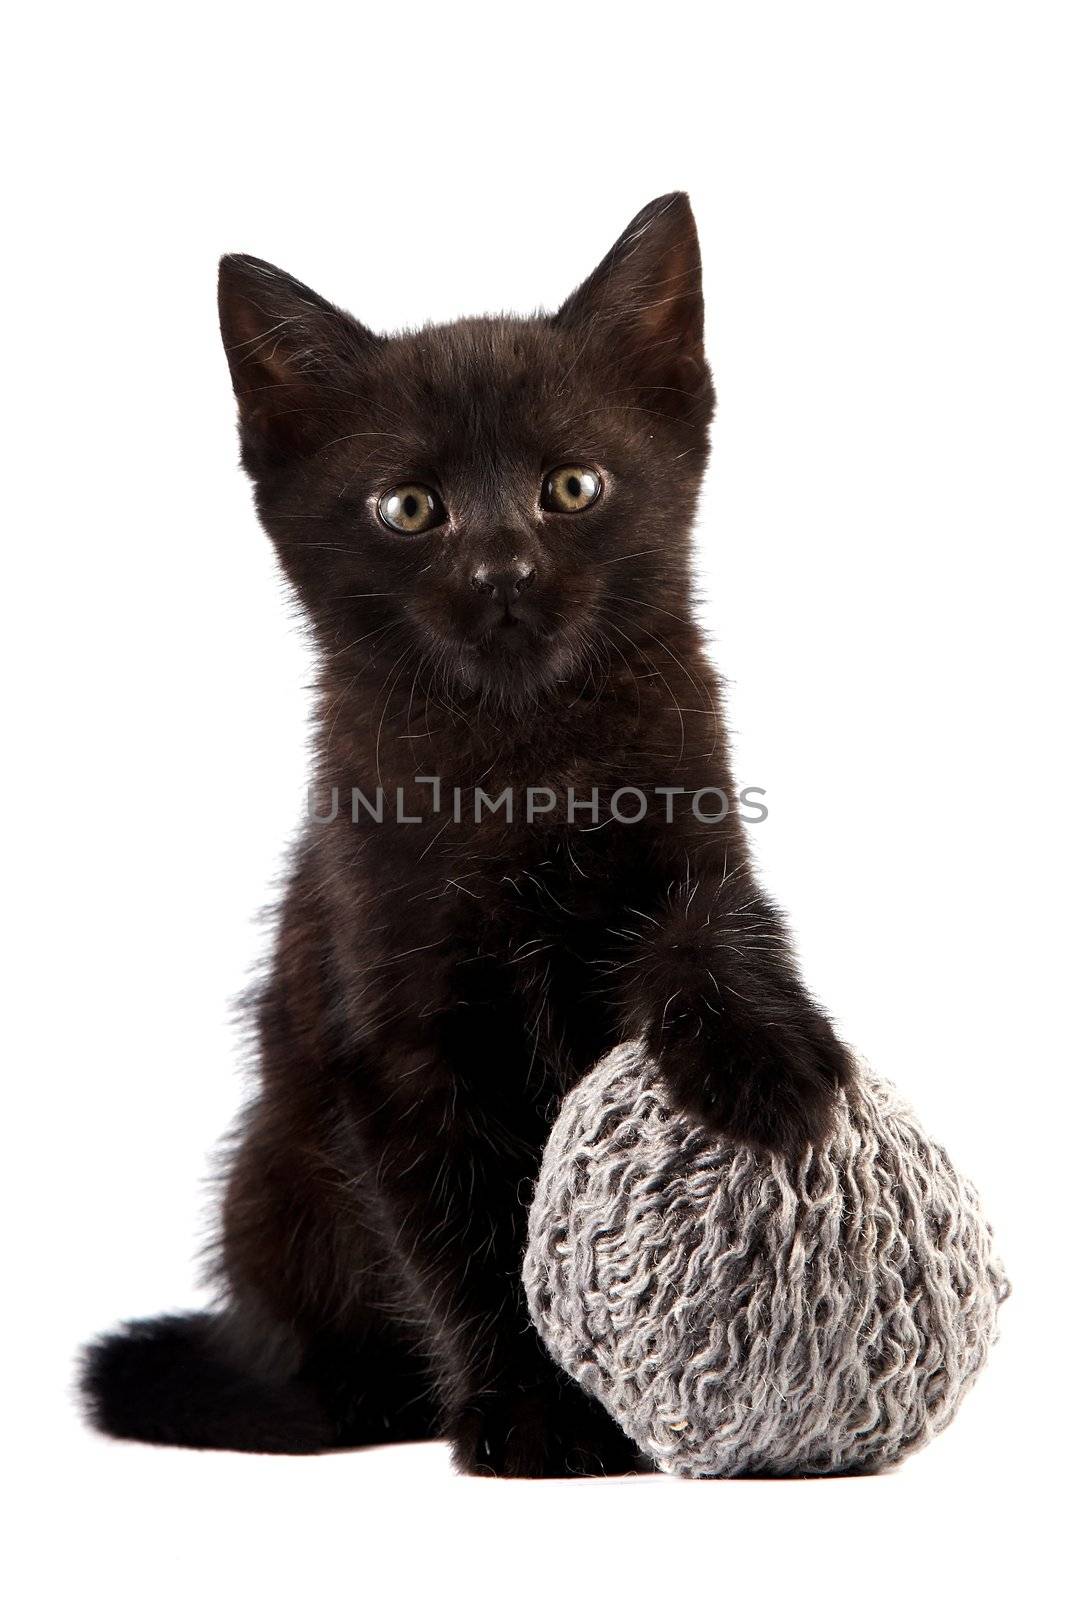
739 1313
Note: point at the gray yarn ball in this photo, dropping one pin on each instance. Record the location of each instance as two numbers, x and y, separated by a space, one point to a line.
741 1314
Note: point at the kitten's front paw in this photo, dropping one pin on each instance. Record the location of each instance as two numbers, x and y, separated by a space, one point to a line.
548 1431
774 1087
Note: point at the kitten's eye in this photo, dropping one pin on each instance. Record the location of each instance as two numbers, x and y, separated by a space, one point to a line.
410 509
571 489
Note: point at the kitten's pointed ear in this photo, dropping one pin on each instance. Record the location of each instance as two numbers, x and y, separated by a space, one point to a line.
644 304
294 359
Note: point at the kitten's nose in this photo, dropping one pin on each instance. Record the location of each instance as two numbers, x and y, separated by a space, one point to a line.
504 583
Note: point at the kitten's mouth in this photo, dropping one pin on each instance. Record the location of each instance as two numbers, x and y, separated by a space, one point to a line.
513 655
508 635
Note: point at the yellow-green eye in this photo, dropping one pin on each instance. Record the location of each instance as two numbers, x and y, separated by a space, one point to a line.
571 489
410 509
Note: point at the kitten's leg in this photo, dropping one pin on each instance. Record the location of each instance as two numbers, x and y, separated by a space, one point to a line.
456 1147
309 1291
377 1207
710 981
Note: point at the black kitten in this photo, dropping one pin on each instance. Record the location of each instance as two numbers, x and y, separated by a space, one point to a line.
488 527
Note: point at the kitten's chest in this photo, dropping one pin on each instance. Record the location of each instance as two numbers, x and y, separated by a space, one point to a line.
538 938
500 942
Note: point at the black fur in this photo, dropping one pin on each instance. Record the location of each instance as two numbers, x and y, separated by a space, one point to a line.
437 986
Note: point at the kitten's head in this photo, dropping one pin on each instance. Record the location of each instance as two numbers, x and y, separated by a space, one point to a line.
493 500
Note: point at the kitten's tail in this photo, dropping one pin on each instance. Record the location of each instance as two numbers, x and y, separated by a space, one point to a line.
166 1381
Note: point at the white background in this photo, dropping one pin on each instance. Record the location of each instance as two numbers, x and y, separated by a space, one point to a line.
879 191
